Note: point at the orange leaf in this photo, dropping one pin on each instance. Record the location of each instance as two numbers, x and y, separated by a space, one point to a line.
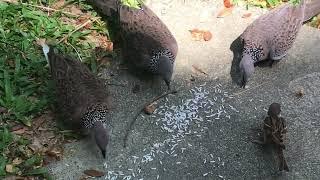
227 3
246 15
224 12
207 35
196 34
149 109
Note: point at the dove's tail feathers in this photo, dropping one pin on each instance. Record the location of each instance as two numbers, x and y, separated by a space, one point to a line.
105 7
312 9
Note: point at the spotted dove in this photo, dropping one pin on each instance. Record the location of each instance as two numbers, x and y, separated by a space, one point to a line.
82 100
146 41
273 34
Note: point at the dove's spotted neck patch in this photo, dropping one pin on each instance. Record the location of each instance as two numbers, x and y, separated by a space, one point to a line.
96 114
154 61
256 52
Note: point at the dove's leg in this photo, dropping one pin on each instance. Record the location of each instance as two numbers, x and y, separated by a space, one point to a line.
275 58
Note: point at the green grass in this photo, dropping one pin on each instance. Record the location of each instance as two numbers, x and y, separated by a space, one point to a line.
314 22
24 79
267 3
24 87
132 3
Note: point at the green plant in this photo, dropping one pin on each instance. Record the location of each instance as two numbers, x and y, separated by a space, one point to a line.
24 87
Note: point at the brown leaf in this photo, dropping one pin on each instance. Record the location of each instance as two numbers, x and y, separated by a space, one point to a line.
199 69
41 42
57 4
15 178
54 153
36 145
149 109
224 12
246 15
9 168
300 93
227 3
19 130
17 161
196 34
93 173
83 19
75 10
17 127
207 35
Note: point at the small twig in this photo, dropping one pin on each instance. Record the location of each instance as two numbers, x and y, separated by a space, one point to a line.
141 110
235 94
199 70
41 7
113 84
76 51
77 29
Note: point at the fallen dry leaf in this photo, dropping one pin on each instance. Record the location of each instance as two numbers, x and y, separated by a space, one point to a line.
36 145
300 93
207 35
224 12
57 4
83 19
54 153
19 131
199 35
196 34
75 10
9 168
149 109
17 127
41 42
17 161
15 178
199 69
246 15
227 3
93 173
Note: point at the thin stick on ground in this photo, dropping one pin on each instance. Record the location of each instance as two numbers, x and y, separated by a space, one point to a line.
77 29
254 87
141 110
48 9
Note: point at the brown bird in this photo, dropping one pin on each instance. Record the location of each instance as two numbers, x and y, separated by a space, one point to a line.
82 100
146 42
274 128
271 35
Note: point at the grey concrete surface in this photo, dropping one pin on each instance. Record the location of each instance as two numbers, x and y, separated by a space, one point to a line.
203 132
